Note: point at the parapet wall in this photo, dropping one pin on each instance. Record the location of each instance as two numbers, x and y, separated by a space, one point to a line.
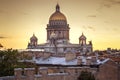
44 73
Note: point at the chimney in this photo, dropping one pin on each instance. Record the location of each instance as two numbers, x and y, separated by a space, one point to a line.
18 73
88 61
70 56
79 60
29 73
94 60
43 71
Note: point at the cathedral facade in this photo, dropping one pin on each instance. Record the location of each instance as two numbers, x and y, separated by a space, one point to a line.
58 37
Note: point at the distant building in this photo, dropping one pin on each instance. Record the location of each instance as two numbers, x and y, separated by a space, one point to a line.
108 70
58 41
1 45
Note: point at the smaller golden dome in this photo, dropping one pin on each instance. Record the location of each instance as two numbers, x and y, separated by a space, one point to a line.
33 37
57 15
82 37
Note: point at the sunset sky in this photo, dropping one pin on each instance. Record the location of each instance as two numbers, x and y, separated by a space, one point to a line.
99 20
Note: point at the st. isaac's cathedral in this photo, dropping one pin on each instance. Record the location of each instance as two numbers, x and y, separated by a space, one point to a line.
58 41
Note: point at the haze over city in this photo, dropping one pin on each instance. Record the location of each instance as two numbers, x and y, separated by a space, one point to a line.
97 19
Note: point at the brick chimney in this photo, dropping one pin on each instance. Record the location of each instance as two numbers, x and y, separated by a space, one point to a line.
29 73
18 73
43 71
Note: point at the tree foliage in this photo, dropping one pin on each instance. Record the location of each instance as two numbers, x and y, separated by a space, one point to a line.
8 61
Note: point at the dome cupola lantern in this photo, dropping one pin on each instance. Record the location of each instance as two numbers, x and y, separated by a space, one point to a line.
57 7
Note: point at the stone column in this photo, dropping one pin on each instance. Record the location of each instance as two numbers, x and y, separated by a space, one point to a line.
29 73
18 73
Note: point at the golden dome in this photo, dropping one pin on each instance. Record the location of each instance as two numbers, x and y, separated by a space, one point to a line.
57 15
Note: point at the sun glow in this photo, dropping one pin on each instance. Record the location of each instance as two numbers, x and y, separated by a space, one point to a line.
20 19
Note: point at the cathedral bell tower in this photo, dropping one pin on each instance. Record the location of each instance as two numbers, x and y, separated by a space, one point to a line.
33 42
82 40
58 25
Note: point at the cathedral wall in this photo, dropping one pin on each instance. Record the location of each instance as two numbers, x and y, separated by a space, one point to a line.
60 50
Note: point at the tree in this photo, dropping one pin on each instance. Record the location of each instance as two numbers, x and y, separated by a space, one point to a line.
86 76
8 61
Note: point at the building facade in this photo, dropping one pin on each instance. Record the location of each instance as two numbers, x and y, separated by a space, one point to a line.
58 37
109 70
